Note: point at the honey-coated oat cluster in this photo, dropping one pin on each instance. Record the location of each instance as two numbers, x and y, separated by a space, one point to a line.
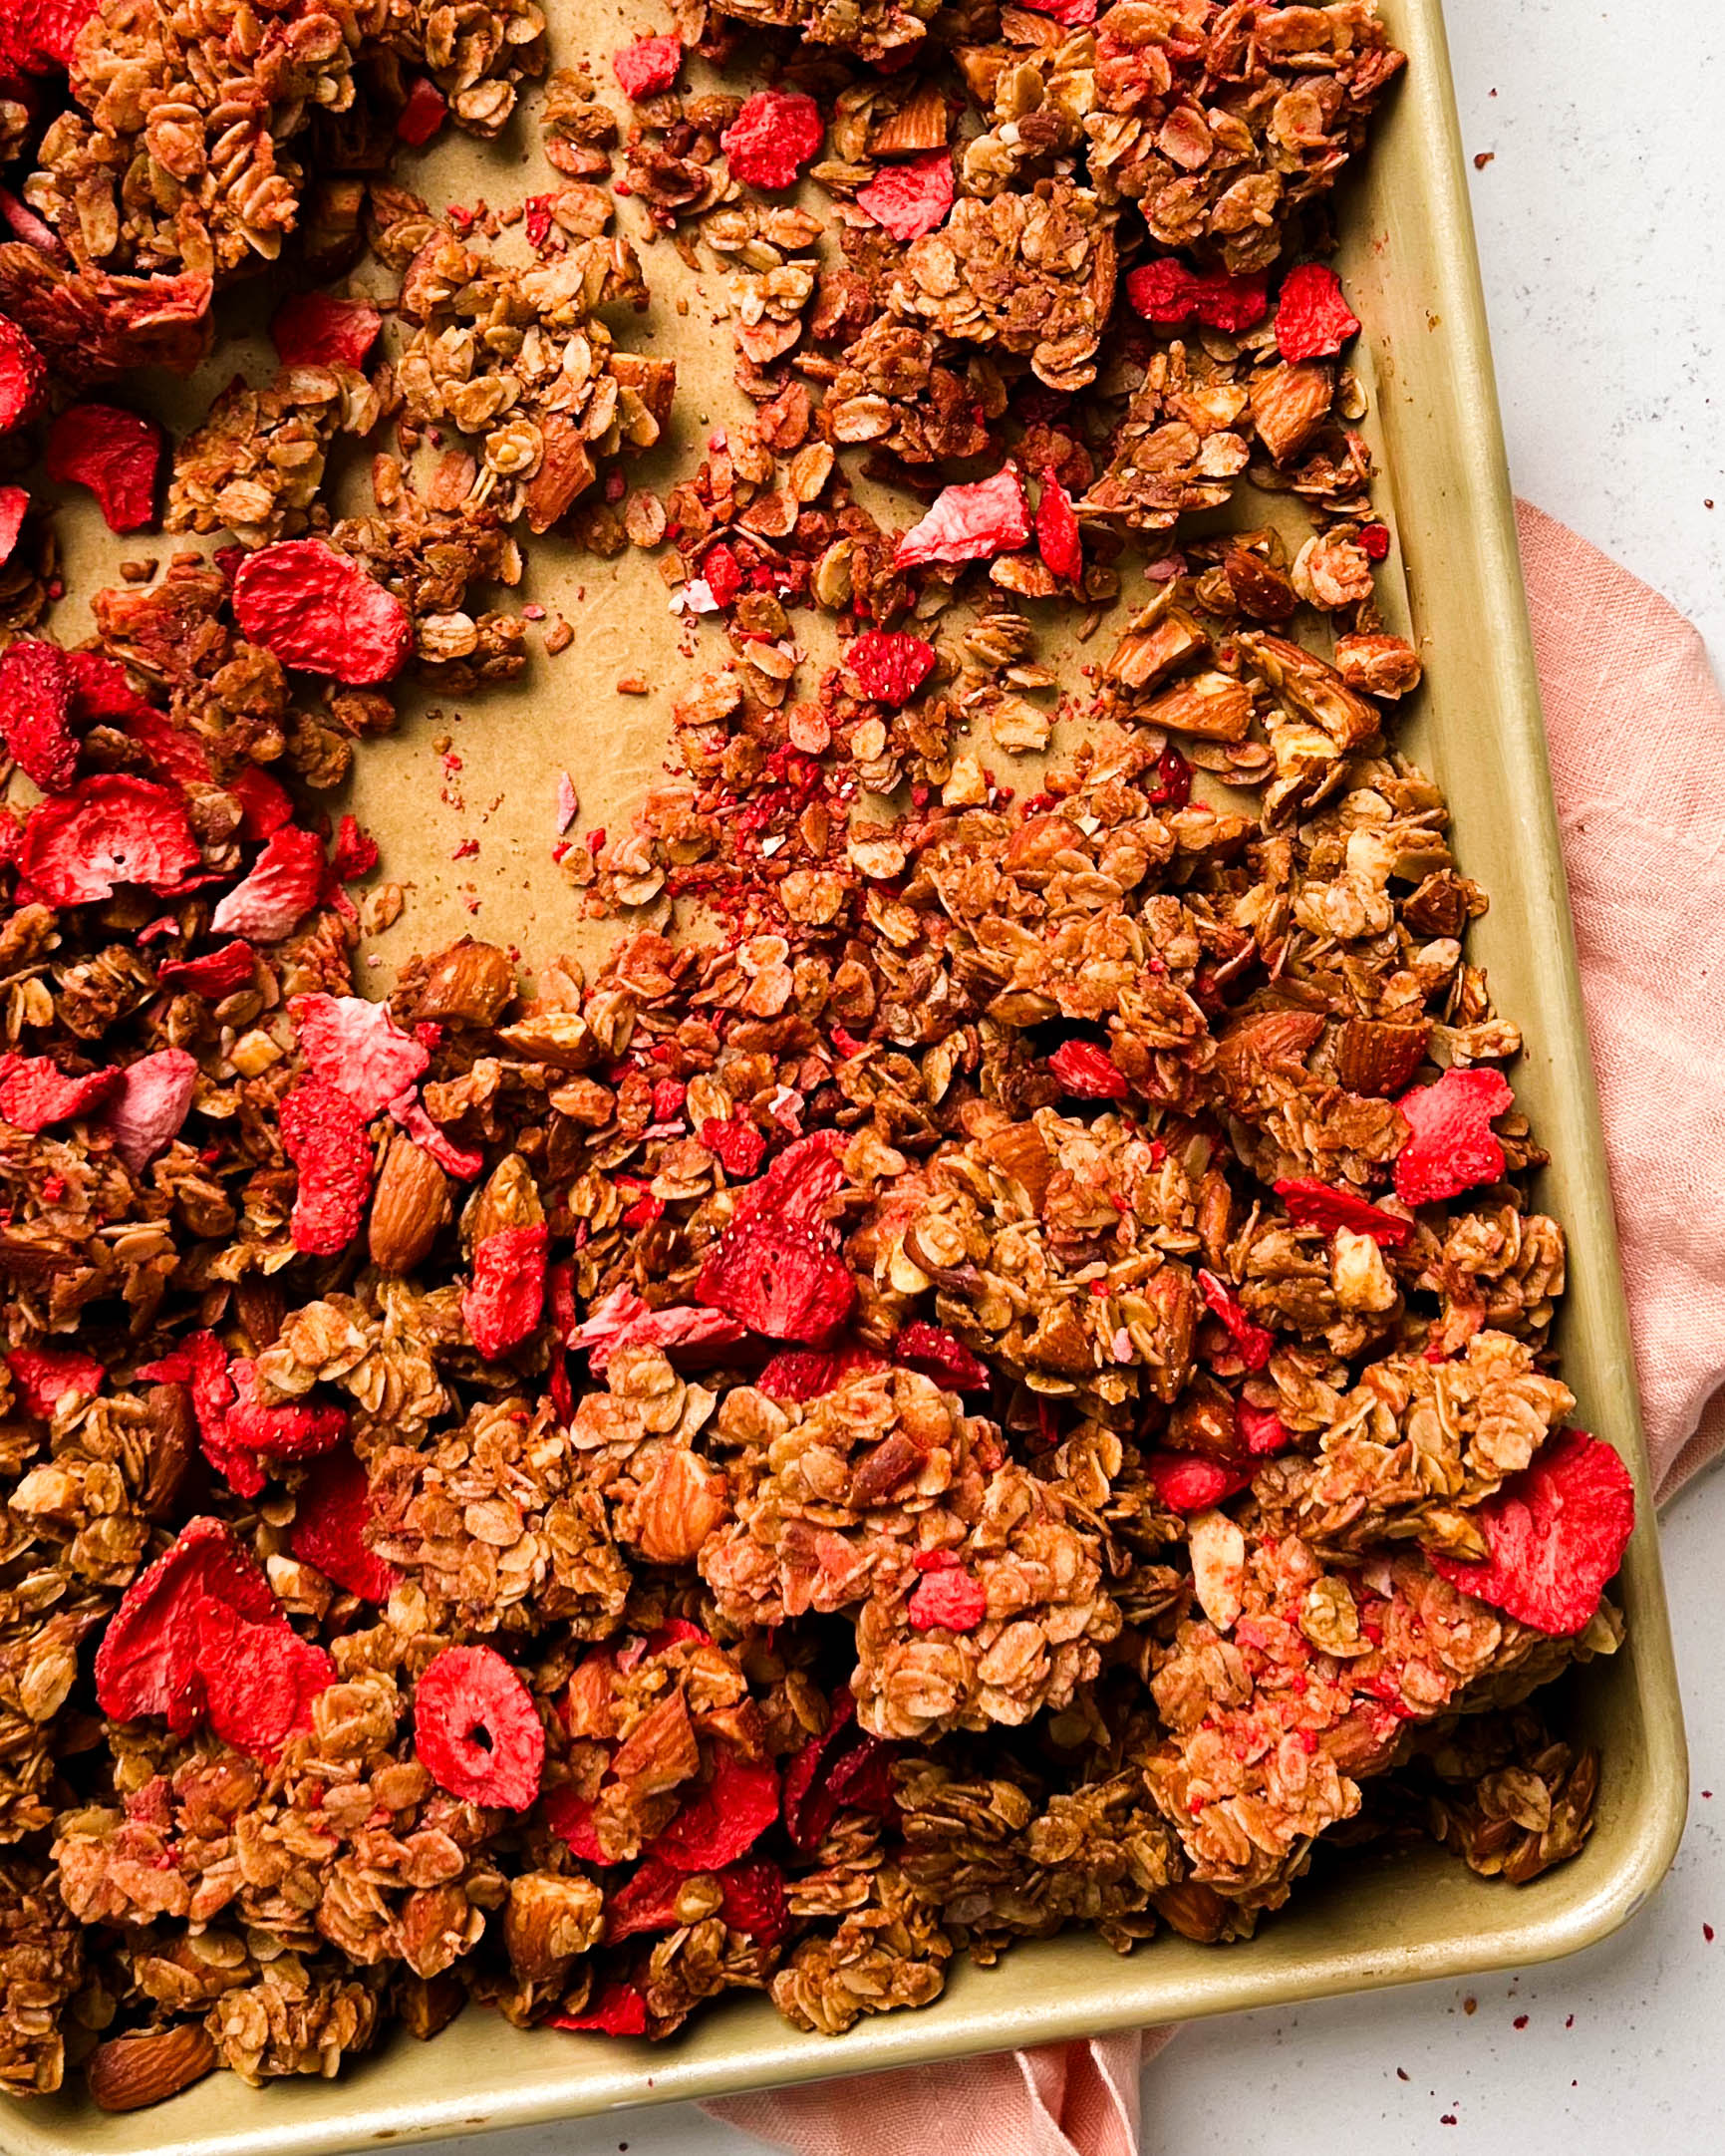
988 1368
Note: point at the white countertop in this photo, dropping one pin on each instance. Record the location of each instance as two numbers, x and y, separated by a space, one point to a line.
1601 224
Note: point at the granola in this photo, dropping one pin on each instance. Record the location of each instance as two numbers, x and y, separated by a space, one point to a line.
987 1367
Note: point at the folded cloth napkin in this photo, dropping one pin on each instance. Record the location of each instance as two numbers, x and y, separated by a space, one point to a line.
1637 730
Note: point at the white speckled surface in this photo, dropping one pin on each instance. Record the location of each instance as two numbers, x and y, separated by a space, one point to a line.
1601 225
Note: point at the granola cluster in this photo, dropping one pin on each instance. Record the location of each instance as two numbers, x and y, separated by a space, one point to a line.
987 1367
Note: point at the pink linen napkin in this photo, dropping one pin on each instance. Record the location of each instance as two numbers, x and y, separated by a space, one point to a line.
1637 730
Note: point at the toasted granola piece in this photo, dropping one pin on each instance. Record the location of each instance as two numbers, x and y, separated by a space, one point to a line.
41 1970
890 1953
872 30
1033 274
256 464
1503 1794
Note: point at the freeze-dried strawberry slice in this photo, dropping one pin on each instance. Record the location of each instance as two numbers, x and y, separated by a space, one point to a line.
116 453
619 2010
647 66
911 199
1057 540
36 704
1187 1483
969 523
14 507
314 330
1168 294
889 665
1069 14
755 1902
331 1514
325 1137
456 1161
506 1297
319 611
1262 1429
621 1320
806 1373
266 804
212 973
357 1046
23 377
1087 1073
200 1362
42 35
259 1678
35 1094
285 883
781 1280
645 1903
108 830
148 1659
149 1106
797 1185
476 1731
1253 1342
422 115
1312 319
775 135
738 1145
721 1823
47 1375
1557 1533
932 1350
842 1769
293 1429
1453 1147
948 1599
1319 1205
569 1815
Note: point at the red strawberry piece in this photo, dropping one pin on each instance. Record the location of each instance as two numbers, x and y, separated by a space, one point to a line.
932 1350
969 523
357 1046
621 1320
319 611
35 1094
36 705
1069 14
354 855
1319 1205
1374 542
47 1375
331 1514
645 1902
285 883
314 330
1187 1483
1312 319
570 1817
200 1362
911 199
1453 1147
147 1660
803 1374
619 2010
755 1900
796 1187
506 1298
266 804
1253 1342
23 377
212 973
781 1280
108 830
259 1678
1262 1430
294 1429
1557 1533
775 135
1087 1073
14 507
41 36
476 1731
889 665
325 1137
116 453
1057 540
724 1819
1173 787
422 116
456 1161
740 1145
647 66
149 1106
1170 294
948 1600
843 1767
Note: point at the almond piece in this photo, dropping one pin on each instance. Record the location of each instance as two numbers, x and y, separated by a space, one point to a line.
1211 706
469 982
1379 1059
1289 404
1146 655
127 2073
409 1207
